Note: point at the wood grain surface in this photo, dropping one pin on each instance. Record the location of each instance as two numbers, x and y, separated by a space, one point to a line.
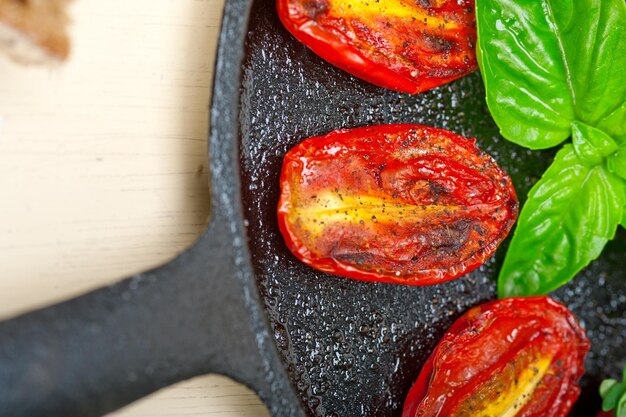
103 167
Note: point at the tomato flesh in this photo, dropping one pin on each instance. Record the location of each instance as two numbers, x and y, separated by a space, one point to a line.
406 204
403 45
517 357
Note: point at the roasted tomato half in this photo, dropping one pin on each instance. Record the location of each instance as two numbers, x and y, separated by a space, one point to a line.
403 45
406 204
517 357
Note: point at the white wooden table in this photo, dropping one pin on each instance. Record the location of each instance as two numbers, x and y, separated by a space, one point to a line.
102 167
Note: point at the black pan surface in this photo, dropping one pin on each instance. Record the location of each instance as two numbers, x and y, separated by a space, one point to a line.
354 348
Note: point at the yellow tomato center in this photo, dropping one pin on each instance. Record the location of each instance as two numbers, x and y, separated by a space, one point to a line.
516 395
334 207
387 9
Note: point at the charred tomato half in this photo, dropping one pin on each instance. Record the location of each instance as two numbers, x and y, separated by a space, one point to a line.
403 45
516 357
405 204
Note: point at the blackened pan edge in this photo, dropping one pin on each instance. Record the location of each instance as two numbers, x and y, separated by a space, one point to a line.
268 378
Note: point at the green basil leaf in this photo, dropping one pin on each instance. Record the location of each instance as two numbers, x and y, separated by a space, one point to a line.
612 396
591 145
620 411
617 162
569 216
593 36
614 124
524 74
605 386
546 63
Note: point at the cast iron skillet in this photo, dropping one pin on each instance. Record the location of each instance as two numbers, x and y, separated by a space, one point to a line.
240 304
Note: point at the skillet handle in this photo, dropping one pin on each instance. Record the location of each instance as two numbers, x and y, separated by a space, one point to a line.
98 352
95 353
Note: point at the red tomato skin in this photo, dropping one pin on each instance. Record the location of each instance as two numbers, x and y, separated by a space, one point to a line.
492 202
541 322
400 69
